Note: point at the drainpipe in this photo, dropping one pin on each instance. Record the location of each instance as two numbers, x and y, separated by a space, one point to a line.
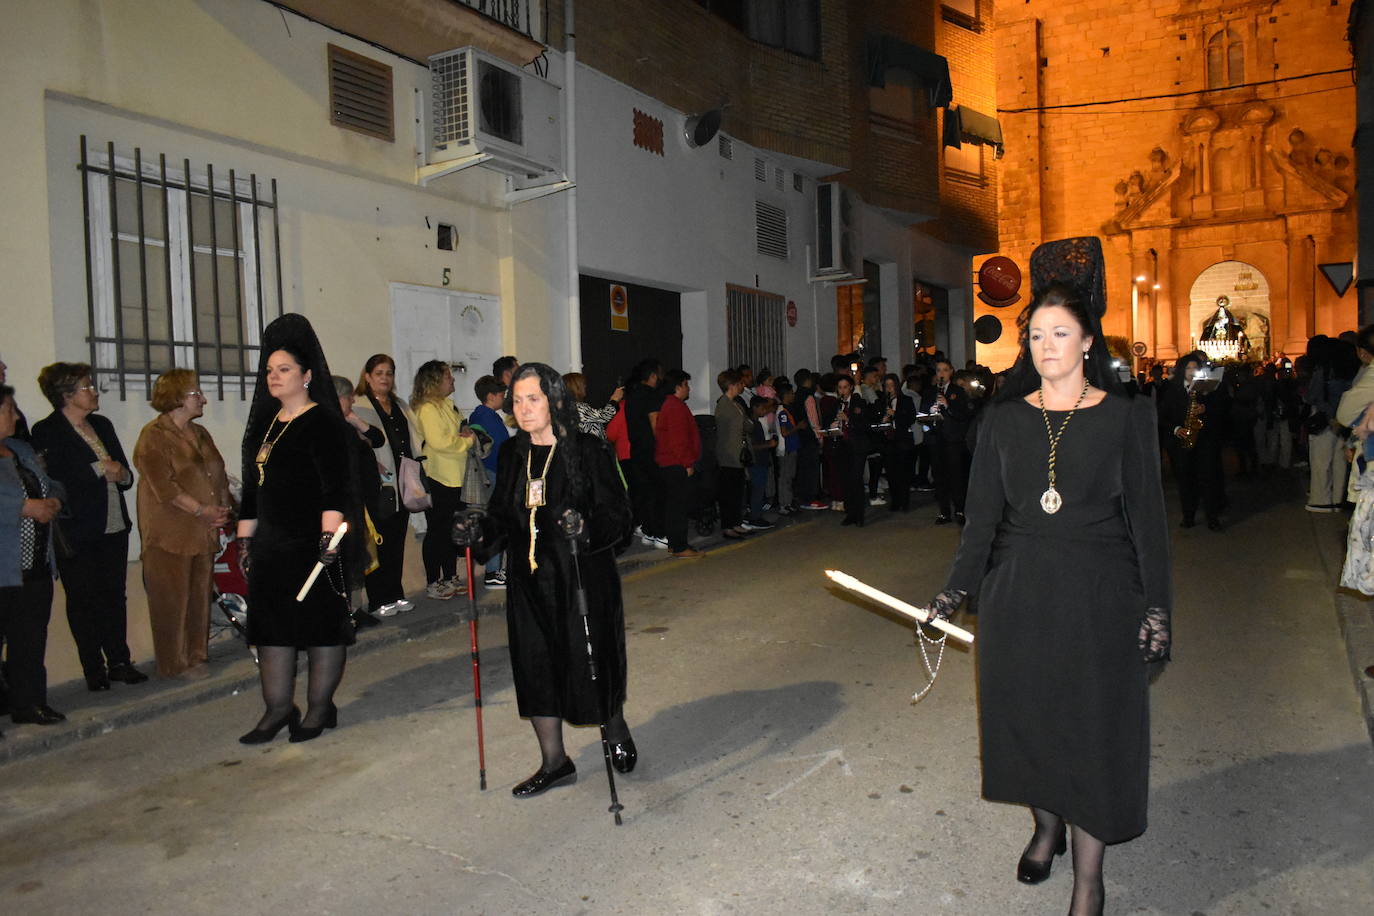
570 122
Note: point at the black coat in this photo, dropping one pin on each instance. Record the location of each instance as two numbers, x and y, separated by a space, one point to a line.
68 459
547 646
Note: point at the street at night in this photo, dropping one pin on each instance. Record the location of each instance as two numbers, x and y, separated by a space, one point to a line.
783 768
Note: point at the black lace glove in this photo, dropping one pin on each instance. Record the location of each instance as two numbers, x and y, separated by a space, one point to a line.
947 602
328 555
245 556
1153 639
467 529
574 526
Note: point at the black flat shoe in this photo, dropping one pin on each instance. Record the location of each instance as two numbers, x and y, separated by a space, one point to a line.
300 733
97 682
943 519
546 779
264 735
37 715
1213 524
624 755
127 673
1029 871
362 619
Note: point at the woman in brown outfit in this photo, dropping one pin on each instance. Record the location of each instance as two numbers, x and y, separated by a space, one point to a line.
183 500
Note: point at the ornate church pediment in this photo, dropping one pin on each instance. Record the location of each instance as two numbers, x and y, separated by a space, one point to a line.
1228 169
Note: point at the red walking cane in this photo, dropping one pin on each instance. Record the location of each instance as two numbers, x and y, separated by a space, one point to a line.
476 672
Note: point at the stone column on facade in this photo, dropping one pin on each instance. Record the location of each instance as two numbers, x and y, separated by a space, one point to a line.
1143 328
1302 311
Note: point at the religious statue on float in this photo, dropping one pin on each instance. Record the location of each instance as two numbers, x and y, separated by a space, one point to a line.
1223 335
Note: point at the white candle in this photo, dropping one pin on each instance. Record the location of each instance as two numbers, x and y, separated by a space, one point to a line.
319 567
844 580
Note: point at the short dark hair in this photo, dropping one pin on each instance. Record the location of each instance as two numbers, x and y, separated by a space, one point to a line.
674 378
6 393
759 400
486 386
1364 339
503 365
61 379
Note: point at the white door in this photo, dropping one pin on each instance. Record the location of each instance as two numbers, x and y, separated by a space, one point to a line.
461 328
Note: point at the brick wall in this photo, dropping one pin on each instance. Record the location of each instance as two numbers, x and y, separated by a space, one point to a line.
681 54
1060 174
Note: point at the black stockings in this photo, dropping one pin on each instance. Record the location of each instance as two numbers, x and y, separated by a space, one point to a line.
1049 829
277 671
1088 892
549 731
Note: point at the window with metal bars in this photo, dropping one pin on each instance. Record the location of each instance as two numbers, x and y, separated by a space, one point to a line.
183 269
360 94
754 328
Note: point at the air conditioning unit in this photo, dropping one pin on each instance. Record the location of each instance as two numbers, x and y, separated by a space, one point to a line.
839 252
484 111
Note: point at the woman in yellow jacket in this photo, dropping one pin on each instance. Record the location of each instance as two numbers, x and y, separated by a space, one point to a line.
447 441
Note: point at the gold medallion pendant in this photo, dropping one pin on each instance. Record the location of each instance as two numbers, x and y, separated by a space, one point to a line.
1050 501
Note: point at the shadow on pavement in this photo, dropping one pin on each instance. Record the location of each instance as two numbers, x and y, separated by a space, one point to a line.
429 685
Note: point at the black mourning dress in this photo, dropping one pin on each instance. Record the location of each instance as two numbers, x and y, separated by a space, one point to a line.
307 474
547 647
1062 689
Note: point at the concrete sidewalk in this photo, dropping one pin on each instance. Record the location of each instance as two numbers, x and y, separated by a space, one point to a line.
232 668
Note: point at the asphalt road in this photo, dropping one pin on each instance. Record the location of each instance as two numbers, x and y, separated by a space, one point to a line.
783 768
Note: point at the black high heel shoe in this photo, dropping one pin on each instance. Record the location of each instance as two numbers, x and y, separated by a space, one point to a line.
1029 871
624 755
546 779
264 735
300 733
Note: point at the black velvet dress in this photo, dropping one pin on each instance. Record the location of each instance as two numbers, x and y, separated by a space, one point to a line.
547 647
1063 709
307 474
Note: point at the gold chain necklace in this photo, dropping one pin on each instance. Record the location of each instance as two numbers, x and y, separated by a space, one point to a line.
535 496
1050 500
265 450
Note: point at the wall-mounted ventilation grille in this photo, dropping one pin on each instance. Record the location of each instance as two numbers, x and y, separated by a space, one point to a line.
726 146
777 178
797 184
760 170
360 94
770 225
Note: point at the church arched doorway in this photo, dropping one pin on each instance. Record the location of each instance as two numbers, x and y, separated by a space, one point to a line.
1247 294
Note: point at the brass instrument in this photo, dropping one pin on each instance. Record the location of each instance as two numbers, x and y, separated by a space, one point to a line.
1188 432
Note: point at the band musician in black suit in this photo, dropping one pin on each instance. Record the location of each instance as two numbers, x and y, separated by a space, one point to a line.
948 448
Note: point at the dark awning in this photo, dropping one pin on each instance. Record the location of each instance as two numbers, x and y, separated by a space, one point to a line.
963 123
930 69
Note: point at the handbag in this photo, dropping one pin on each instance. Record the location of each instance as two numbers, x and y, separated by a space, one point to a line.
414 486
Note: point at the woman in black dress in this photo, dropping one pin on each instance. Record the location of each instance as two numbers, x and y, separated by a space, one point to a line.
299 485
1067 551
547 470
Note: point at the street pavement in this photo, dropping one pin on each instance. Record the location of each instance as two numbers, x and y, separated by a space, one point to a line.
783 768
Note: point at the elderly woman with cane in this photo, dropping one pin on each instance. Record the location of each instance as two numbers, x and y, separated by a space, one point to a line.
300 484
550 475
1067 550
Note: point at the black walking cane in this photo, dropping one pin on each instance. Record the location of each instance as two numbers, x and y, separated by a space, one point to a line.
572 524
471 521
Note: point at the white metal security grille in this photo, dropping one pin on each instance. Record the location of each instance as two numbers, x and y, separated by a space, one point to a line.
448 74
770 226
754 328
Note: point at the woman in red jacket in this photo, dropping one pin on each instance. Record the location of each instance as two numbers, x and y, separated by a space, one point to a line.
676 451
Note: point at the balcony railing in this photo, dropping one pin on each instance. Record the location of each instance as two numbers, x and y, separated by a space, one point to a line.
524 16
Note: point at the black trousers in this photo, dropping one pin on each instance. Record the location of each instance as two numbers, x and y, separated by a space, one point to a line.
677 496
439 553
851 461
730 496
877 464
24 613
808 483
97 609
384 582
900 462
948 461
1199 476
646 495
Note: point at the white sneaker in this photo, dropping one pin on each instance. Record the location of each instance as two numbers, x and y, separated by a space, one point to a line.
660 543
495 579
388 610
402 605
877 501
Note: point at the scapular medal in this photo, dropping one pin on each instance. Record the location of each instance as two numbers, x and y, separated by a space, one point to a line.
1050 500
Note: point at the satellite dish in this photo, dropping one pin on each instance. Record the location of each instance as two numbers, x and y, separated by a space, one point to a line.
701 129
